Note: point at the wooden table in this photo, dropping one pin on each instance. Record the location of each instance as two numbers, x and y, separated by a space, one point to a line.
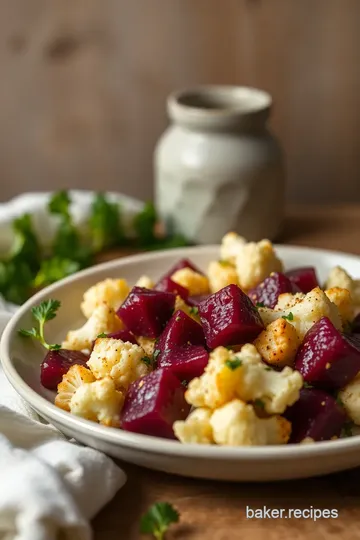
216 511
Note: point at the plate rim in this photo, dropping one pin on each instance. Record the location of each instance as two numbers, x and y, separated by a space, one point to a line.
153 444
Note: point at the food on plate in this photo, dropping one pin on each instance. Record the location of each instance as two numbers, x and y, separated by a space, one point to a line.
246 354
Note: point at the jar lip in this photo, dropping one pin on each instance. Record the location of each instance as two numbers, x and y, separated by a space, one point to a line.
218 103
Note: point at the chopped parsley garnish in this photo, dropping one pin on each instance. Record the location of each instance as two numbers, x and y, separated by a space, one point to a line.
259 403
289 317
103 335
260 304
44 312
268 368
194 310
224 263
178 319
147 361
184 383
157 520
233 363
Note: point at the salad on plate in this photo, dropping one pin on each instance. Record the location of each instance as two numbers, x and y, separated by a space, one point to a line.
244 354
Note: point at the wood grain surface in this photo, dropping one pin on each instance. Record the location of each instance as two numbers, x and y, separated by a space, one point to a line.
215 510
84 83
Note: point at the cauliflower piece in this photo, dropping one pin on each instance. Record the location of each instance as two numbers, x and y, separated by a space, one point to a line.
288 300
278 343
147 344
338 277
304 314
122 361
255 262
71 381
343 301
189 310
350 398
146 282
194 282
98 401
236 424
244 375
102 321
221 274
230 245
196 428
111 291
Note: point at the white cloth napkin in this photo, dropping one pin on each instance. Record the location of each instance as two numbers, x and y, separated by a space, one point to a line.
49 488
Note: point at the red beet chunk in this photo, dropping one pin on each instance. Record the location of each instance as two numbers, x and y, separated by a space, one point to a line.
316 415
180 330
124 335
185 362
304 278
327 357
168 285
267 292
57 363
153 403
145 312
194 301
229 317
183 263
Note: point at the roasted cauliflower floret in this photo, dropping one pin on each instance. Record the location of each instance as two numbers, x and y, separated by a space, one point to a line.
71 381
102 321
196 428
118 360
244 375
236 424
278 343
147 344
98 401
221 274
230 245
255 262
344 302
194 282
306 313
350 397
288 300
338 277
111 291
146 282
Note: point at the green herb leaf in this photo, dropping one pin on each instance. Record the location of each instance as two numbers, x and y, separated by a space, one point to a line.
184 383
339 401
102 335
289 317
268 368
144 225
46 311
233 363
259 403
260 304
194 310
105 223
52 270
156 354
59 204
158 519
224 263
147 361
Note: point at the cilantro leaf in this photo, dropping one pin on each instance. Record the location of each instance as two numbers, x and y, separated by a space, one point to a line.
157 519
54 269
105 224
259 403
46 311
233 363
289 317
144 225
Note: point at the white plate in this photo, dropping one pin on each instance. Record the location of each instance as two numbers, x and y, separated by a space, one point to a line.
21 360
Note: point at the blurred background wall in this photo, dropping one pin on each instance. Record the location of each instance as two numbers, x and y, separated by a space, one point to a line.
83 86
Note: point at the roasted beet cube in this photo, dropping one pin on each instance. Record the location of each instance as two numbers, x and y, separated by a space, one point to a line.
267 292
124 335
315 415
229 317
168 285
145 312
180 330
304 278
183 263
328 358
185 362
153 403
57 363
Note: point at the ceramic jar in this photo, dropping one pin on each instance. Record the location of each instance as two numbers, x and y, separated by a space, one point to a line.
217 167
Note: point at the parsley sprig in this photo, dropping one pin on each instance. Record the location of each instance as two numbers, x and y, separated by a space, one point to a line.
289 317
233 363
157 520
44 312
